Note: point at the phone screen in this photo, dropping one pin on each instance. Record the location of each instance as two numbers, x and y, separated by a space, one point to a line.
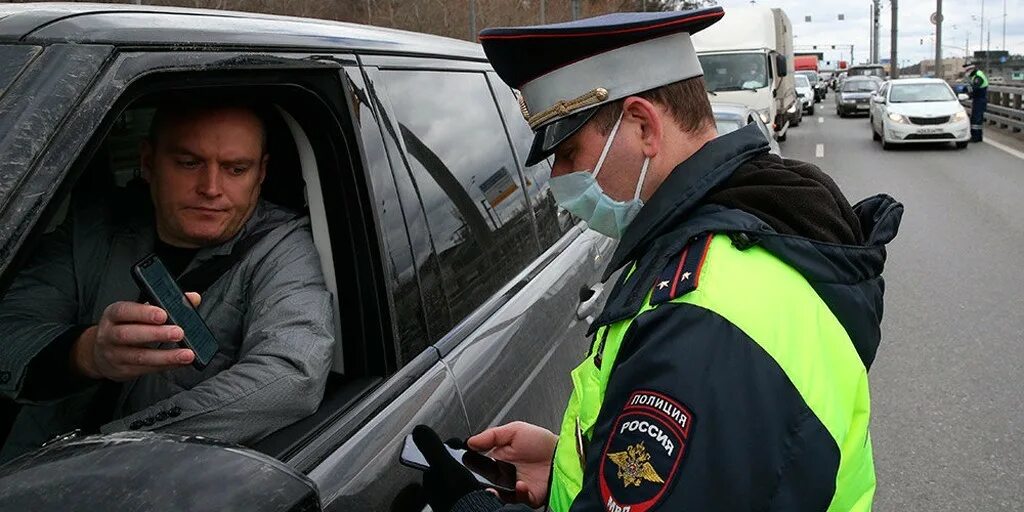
489 472
158 283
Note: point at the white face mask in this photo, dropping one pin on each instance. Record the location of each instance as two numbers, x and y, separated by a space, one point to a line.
581 194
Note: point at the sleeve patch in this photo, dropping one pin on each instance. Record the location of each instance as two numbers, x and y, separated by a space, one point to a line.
682 274
644 451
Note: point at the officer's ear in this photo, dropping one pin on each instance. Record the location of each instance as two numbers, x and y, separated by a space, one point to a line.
649 119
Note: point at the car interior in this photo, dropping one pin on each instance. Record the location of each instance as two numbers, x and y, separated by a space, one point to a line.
303 175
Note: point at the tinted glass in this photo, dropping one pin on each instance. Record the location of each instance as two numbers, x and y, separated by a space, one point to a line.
466 182
552 221
912 93
12 60
405 293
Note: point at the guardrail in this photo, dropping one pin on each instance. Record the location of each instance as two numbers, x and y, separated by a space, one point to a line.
1005 107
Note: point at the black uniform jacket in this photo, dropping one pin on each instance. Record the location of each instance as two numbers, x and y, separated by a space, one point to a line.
756 446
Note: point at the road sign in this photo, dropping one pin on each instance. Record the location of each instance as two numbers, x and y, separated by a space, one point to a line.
936 18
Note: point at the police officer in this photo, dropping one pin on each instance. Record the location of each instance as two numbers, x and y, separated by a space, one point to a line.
728 370
979 99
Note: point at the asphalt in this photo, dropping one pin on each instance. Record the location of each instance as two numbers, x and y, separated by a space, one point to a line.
948 382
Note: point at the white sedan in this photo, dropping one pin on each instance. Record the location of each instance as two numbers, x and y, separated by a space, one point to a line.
918 110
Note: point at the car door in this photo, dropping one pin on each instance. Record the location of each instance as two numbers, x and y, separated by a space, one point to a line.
513 282
350 446
363 472
875 108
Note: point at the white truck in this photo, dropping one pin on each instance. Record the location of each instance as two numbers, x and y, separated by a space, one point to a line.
748 59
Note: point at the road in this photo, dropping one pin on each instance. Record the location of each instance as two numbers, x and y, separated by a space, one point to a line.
948 382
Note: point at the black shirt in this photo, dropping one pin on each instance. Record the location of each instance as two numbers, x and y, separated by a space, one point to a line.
176 259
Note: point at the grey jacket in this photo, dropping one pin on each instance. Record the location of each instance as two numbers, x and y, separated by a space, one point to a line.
270 313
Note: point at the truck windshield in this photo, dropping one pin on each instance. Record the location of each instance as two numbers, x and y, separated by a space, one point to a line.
735 71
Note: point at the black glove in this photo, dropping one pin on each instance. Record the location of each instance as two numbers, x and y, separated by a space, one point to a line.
447 481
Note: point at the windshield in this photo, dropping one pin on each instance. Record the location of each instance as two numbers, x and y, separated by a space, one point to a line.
860 86
801 81
878 71
735 71
913 93
811 77
727 125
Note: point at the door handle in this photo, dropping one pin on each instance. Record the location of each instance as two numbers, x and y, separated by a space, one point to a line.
589 297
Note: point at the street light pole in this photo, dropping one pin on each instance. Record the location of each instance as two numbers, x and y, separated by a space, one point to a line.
894 68
938 38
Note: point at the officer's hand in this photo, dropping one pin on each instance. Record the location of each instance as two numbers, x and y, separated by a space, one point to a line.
116 348
530 448
447 481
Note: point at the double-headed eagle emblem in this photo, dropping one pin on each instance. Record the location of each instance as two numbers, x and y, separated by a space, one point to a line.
635 466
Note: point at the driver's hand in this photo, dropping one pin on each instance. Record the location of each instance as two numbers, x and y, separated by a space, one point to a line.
117 348
530 448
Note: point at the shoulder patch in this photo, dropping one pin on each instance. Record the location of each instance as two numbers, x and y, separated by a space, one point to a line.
682 274
644 451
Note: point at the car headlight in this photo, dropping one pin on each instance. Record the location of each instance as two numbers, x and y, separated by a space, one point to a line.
898 118
765 118
792 108
960 116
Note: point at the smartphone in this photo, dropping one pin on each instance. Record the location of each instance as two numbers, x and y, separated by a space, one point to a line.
489 472
157 283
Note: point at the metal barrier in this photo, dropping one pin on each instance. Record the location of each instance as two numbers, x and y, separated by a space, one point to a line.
1005 107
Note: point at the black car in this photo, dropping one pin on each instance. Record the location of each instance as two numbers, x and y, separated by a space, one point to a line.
854 95
464 292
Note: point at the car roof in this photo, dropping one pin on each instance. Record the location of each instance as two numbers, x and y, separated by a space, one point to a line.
898 81
141 26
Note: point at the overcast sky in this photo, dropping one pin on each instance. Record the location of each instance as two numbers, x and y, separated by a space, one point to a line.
913 26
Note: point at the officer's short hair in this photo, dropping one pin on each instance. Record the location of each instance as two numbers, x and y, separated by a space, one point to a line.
686 101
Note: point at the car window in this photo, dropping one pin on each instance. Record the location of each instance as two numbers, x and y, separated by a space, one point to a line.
801 81
552 221
14 59
725 126
913 93
467 184
860 86
409 318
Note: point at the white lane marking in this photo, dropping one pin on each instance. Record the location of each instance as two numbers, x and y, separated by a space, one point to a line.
1008 149
821 119
819 150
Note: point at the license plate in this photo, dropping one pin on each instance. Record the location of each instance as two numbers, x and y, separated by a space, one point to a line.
929 131
862 107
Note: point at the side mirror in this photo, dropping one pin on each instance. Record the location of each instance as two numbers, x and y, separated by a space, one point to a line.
962 97
877 98
780 65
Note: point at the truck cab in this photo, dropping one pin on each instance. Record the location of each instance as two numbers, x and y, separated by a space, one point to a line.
748 59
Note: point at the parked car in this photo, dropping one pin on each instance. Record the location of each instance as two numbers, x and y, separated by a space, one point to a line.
464 292
730 117
854 96
805 92
918 110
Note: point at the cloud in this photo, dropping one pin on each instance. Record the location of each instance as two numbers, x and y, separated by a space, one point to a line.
914 26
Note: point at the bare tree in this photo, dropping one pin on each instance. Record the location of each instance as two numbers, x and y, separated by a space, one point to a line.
449 18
